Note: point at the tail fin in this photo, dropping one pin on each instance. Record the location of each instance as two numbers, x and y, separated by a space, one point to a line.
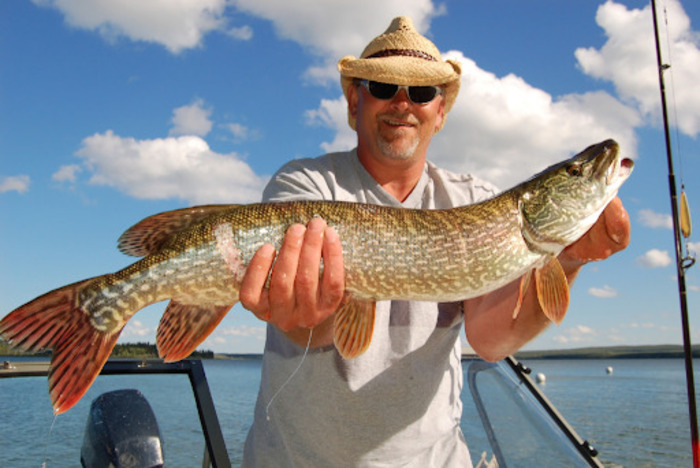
54 321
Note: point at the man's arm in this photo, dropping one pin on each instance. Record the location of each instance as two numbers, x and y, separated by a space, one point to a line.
488 321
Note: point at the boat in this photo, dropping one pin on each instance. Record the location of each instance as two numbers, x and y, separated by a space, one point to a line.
516 423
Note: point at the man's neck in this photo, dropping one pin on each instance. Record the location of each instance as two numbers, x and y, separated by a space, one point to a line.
397 177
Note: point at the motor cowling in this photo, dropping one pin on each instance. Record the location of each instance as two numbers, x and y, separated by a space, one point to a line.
121 432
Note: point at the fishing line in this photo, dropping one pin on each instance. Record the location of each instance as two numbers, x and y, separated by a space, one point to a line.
674 105
44 464
684 210
279 390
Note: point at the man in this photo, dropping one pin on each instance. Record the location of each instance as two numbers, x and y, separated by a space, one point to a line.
398 403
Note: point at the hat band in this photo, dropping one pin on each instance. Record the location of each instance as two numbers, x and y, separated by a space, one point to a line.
404 53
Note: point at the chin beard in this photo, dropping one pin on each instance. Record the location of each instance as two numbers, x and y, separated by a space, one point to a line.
397 150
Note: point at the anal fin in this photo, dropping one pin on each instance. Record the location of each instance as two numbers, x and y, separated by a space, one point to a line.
183 327
552 290
353 327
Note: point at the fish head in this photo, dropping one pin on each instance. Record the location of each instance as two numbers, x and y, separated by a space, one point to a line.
562 202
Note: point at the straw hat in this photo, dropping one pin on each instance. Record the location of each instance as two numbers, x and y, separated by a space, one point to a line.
402 56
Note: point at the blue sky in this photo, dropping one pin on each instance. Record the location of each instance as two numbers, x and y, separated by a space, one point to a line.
113 110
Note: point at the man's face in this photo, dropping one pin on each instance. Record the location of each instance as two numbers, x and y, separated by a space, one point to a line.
395 128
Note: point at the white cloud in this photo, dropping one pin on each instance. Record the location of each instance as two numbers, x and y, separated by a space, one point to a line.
175 167
628 59
238 131
135 328
652 219
244 331
329 29
655 259
504 129
241 338
241 132
694 247
605 292
577 334
334 28
19 184
646 325
494 116
191 120
67 173
177 25
243 33
333 114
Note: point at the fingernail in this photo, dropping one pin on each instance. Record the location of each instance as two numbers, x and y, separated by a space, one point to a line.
297 230
267 251
331 234
316 225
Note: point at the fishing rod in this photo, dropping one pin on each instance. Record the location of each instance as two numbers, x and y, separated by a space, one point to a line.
681 262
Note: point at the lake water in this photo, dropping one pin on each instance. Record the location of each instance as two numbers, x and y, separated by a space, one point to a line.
635 417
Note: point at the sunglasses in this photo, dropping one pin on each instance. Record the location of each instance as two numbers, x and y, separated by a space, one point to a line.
386 91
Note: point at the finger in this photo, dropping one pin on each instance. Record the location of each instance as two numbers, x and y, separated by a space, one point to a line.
609 234
333 280
253 295
281 295
307 276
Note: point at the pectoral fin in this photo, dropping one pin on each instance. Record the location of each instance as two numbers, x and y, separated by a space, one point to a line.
524 284
353 326
552 290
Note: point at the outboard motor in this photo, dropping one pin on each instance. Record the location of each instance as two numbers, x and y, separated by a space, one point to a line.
121 432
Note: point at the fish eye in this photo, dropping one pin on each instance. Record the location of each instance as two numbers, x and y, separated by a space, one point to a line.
574 170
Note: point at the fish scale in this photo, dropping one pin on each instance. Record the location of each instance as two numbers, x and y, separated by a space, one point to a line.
197 257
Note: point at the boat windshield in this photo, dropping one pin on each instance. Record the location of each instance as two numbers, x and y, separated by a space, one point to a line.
519 426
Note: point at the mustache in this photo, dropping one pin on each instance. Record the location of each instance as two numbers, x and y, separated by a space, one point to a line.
404 117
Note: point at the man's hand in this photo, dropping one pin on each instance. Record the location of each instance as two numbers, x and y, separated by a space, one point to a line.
610 234
489 324
298 296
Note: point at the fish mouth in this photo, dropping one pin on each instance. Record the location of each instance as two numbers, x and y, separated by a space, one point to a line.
609 165
626 166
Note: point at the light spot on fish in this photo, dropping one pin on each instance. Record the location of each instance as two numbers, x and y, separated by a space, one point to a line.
226 244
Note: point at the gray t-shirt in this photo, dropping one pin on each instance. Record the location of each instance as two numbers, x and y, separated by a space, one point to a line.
398 404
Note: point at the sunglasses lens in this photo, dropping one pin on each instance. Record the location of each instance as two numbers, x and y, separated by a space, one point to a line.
382 90
417 94
422 94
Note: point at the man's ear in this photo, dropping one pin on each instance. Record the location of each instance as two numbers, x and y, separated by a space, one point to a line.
440 118
353 96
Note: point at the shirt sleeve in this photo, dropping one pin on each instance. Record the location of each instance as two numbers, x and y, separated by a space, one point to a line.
294 181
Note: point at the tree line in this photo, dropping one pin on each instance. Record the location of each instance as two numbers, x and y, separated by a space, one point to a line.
121 350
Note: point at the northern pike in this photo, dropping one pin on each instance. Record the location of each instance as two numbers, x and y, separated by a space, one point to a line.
197 257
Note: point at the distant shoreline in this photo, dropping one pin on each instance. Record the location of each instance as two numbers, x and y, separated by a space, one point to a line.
605 352
147 350
612 352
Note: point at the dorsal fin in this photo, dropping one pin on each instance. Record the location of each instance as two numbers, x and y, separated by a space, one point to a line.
149 235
